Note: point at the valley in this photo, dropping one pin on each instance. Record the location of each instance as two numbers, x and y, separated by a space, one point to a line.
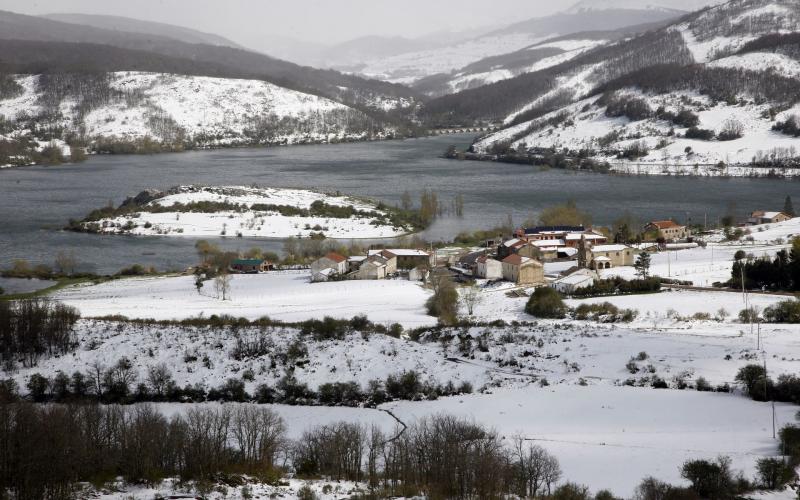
244 252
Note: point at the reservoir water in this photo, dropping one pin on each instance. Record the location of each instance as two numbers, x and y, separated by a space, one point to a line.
35 202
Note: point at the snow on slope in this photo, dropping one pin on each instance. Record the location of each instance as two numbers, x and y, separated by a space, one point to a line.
571 49
710 37
215 111
585 125
724 29
599 5
409 67
779 64
248 222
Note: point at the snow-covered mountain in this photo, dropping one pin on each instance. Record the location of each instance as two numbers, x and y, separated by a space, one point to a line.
721 86
130 111
412 66
599 5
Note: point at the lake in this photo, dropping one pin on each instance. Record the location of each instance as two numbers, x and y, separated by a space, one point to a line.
35 202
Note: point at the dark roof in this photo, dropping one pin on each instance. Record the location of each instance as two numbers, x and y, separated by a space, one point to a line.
542 229
247 262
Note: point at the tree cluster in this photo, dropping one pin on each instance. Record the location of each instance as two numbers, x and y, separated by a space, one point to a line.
30 329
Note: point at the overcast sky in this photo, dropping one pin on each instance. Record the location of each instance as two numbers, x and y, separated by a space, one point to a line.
326 21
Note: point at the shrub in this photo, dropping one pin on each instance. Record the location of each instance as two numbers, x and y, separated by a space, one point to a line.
702 385
731 130
444 302
773 472
635 150
786 311
699 133
791 126
546 303
711 480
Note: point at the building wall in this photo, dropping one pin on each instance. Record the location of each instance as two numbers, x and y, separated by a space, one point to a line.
412 261
326 263
490 270
618 258
370 272
531 275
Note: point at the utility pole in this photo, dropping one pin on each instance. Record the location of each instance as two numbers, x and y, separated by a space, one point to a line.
766 378
669 267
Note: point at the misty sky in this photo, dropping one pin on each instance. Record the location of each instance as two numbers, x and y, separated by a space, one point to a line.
321 21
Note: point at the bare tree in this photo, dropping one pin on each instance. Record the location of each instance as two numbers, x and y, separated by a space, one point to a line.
470 297
536 469
159 378
258 434
222 284
65 263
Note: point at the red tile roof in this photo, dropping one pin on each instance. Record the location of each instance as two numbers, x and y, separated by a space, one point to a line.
335 257
664 224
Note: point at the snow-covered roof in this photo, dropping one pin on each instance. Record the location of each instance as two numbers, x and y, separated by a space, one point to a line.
575 279
588 236
511 243
609 248
519 260
405 252
603 259
549 243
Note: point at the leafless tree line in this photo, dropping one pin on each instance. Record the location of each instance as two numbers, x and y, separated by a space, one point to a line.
46 450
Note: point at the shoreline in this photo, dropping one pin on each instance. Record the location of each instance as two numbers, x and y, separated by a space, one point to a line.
648 169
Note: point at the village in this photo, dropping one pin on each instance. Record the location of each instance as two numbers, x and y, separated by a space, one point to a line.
565 258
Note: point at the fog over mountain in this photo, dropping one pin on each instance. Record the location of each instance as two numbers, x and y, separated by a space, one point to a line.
303 31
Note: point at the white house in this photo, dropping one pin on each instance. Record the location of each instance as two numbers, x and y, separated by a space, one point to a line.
581 278
488 268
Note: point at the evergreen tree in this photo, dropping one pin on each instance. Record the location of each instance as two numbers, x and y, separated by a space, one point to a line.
788 208
642 265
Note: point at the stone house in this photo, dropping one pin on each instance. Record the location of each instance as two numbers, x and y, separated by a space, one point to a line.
251 266
374 268
333 261
523 270
607 256
668 230
761 217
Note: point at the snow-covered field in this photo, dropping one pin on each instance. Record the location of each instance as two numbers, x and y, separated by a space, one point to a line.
611 437
249 222
285 296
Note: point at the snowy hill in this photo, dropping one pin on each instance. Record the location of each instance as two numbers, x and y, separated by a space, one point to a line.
600 5
412 66
176 111
247 211
647 101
